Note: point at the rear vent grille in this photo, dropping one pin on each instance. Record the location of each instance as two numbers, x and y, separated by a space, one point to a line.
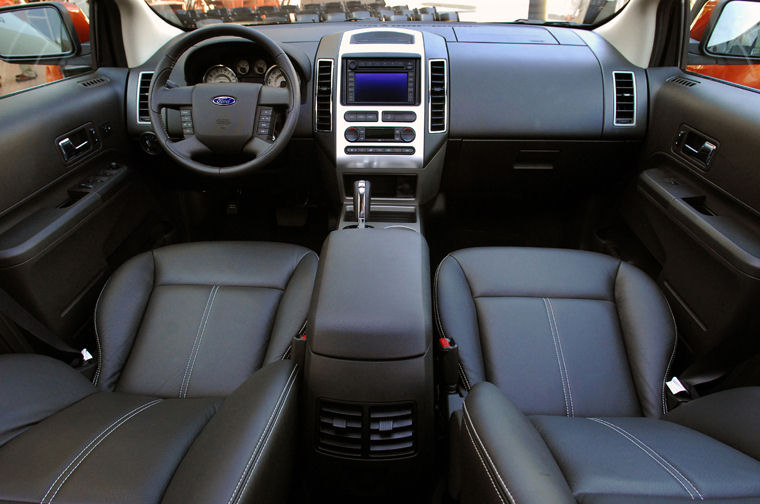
93 82
438 92
340 429
391 431
625 98
682 81
323 94
356 431
143 95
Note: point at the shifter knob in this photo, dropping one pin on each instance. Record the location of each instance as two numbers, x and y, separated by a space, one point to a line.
361 202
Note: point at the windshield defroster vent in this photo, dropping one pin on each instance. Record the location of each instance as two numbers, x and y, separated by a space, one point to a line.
625 98
438 91
682 81
143 94
323 95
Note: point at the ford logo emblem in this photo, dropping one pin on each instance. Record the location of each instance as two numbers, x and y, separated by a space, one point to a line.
223 101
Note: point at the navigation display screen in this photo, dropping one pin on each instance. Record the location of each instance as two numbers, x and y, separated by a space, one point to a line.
381 87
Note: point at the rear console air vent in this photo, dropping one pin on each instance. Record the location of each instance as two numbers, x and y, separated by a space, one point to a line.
143 94
323 95
625 98
340 429
391 431
97 81
357 431
438 91
682 81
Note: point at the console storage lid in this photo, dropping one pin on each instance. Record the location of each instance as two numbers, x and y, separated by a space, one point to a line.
372 296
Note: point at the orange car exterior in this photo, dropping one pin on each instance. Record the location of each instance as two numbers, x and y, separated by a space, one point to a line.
744 74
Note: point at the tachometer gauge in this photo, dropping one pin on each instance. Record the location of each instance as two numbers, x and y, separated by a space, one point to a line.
242 67
260 67
275 77
219 74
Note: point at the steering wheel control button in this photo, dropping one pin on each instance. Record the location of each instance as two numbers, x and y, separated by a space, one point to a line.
264 124
399 116
186 116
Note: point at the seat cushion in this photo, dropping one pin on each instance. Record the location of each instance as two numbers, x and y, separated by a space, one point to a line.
195 320
643 457
91 447
558 331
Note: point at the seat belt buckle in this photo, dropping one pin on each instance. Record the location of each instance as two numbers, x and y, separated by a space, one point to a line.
677 392
86 356
448 355
298 346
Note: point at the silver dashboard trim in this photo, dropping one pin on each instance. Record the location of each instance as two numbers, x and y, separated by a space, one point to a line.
137 105
614 99
332 91
445 96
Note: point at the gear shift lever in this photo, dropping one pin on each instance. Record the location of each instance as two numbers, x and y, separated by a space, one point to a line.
361 202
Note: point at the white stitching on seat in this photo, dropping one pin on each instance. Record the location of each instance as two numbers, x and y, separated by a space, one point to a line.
266 441
201 328
468 422
672 356
559 362
562 354
200 341
670 468
97 335
280 399
94 442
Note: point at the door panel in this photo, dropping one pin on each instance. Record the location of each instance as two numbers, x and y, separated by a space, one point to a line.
72 204
698 192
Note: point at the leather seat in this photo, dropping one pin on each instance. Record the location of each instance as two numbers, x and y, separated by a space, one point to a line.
194 399
564 356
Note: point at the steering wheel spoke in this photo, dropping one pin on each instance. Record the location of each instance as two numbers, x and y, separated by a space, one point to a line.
171 97
190 147
273 96
257 145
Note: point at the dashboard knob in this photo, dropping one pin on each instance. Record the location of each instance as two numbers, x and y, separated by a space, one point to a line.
408 135
352 134
352 65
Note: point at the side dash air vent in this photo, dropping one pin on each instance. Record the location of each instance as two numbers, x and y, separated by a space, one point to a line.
625 98
340 429
143 93
97 81
682 81
438 92
391 431
323 95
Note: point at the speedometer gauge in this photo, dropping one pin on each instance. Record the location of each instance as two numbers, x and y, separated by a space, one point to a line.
219 74
275 77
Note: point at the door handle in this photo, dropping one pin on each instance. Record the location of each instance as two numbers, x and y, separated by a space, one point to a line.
70 150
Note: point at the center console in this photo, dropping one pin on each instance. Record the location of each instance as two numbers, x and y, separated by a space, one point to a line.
381 115
369 364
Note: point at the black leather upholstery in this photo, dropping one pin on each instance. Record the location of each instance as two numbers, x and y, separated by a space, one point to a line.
581 343
558 331
170 320
180 413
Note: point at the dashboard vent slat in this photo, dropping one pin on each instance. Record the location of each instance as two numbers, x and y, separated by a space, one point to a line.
438 93
97 81
323 95
143 94
625 98
391 431
682 81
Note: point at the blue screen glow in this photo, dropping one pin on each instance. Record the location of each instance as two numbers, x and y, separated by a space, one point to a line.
380 87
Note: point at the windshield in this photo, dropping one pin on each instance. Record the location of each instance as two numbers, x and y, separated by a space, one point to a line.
191 14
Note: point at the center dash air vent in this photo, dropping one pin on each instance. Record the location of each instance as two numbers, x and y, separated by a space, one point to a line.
340 429
438 91
625 98
143 95
323 95
391 431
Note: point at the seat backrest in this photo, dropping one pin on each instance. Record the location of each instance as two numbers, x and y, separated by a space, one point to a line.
558 331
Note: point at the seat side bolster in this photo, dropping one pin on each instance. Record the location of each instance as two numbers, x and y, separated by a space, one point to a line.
503 457
730 416
33 388
649 335
118 315
293 307
456 317
250 444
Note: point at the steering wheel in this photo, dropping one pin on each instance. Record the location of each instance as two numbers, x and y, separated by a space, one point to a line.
228 118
